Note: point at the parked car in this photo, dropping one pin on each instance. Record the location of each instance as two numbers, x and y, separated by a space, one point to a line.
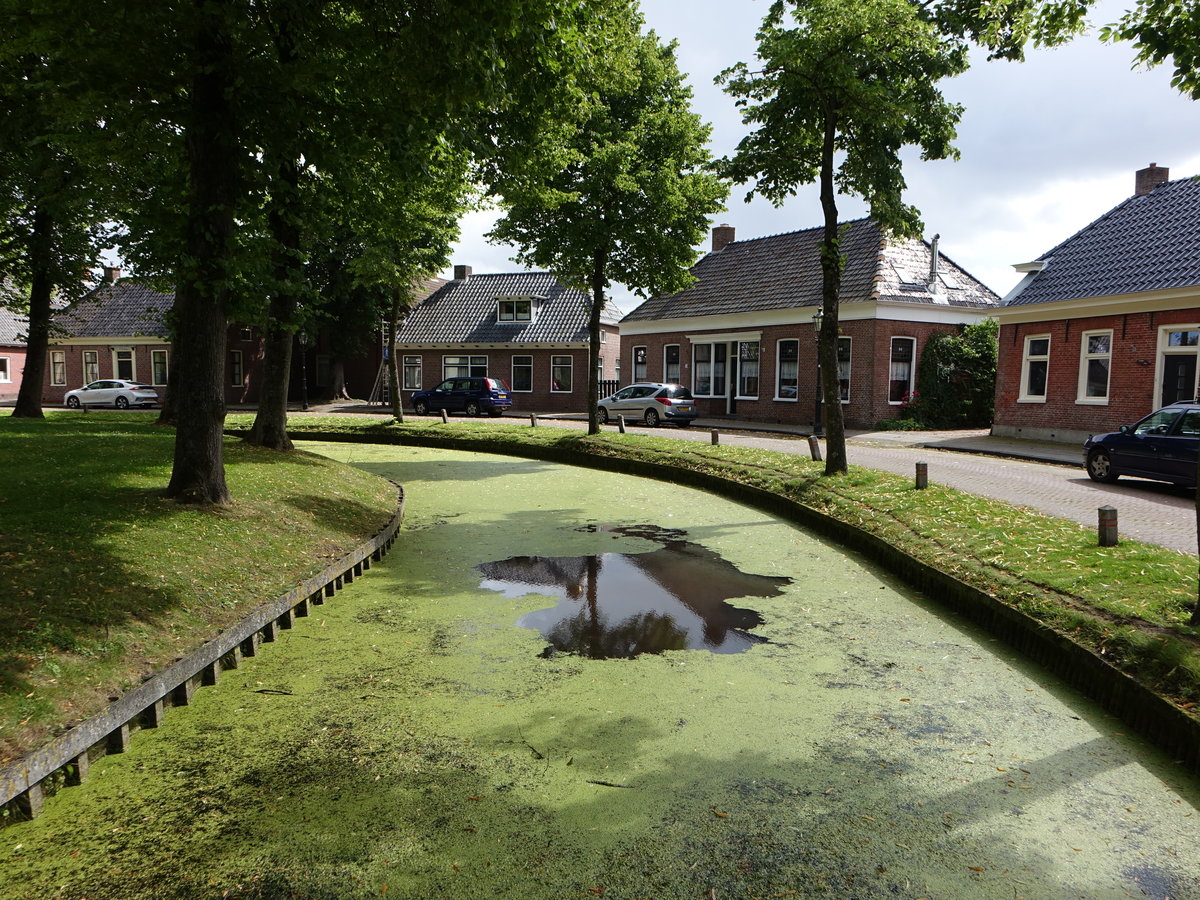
473 396
651 402
121 394
1162 446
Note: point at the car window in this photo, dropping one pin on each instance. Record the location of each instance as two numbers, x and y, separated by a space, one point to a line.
1190 423
679 392
1158 423
447 385
623 394
644 391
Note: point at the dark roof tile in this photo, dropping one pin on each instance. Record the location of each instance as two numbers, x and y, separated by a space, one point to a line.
124 309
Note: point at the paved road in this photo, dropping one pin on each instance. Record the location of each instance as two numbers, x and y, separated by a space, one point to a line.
1148 511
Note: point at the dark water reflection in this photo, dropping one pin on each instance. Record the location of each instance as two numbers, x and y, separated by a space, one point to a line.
624 604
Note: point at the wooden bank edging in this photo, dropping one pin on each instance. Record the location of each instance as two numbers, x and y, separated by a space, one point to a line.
1155 718
145 705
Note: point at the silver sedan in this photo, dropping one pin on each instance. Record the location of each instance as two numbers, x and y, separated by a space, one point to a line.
112 392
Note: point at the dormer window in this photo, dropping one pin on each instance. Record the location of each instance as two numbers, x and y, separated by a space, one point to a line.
514 309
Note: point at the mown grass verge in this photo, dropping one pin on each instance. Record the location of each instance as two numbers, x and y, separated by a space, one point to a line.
1128 603
104 581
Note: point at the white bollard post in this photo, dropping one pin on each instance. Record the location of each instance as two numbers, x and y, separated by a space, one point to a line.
1108 526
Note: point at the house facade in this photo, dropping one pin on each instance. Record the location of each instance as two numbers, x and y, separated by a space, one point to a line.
742 338
524 328
13 328
1105 327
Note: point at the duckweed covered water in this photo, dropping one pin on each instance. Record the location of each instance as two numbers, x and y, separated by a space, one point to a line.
407 740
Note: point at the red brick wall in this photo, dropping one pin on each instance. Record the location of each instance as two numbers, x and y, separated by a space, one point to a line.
52 394
16 367
1133 392
869 370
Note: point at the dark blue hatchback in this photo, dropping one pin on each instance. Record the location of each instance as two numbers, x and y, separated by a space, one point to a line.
1162 446
473 396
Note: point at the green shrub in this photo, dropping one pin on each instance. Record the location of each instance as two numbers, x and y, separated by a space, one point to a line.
956 379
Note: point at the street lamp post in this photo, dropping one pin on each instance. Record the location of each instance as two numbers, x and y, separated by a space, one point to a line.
304 370
818 430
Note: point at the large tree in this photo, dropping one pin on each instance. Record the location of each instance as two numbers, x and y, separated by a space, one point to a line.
843 86
624 194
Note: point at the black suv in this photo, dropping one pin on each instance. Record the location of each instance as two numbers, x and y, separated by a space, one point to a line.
1162 446
473 396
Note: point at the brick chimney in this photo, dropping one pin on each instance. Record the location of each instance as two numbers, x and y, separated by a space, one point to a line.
462 273
1147 179
112 274
722 235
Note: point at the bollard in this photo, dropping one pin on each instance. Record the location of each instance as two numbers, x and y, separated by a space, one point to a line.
445 418
716 437
922 476
1108 526
533 420
814 448
621 424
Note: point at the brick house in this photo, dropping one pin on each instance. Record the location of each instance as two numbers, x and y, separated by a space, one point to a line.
524 328
742 337
13 327
1105 327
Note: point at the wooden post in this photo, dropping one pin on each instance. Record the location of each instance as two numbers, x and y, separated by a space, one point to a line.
152 715
922 476
30 802
716 437
621 424
533 420
445 417
814 447
118 740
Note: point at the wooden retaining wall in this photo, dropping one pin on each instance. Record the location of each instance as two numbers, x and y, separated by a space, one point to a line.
144 706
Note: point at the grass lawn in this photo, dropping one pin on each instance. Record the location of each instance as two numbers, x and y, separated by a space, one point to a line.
104 581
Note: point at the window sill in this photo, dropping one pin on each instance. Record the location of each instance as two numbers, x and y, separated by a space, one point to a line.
1091 401
1031 399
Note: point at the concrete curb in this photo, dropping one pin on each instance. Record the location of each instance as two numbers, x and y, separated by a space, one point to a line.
1158 720
144 706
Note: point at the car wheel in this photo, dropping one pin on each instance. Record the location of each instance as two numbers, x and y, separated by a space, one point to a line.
472 408
421 408
495 413
1100 467
72 403
121 403
651 418
684 423
602 415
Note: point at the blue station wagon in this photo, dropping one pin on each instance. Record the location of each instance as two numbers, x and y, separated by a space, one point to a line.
1162 446
472 396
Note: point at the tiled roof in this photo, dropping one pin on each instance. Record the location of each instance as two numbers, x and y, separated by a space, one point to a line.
783 271
124 309
14 327
464 312
1146 243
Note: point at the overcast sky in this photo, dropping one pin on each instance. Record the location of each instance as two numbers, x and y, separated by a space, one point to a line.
1047 145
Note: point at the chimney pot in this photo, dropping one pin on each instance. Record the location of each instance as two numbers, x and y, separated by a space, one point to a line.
462 273
112 274
722 235
1145 180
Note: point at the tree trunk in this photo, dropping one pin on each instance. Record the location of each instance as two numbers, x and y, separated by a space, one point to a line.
29 395
593 379
831 283
168 413
270 422
340 390
393 373
198 474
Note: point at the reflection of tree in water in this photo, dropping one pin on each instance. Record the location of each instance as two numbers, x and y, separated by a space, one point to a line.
670 598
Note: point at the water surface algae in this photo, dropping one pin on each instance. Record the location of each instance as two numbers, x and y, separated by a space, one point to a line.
408 740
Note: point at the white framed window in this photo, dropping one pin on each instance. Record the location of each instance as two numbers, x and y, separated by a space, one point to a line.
513 309
639 364
91 366
1095 366
522 373
561 374
671 364
708 369
787 370
123 366
412 373
464 366
58 367
603 336
158 367
747 386
1035 368
844 348
901 369
5 370
236 373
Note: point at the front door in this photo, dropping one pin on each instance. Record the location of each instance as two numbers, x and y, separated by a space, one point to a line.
1179 378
